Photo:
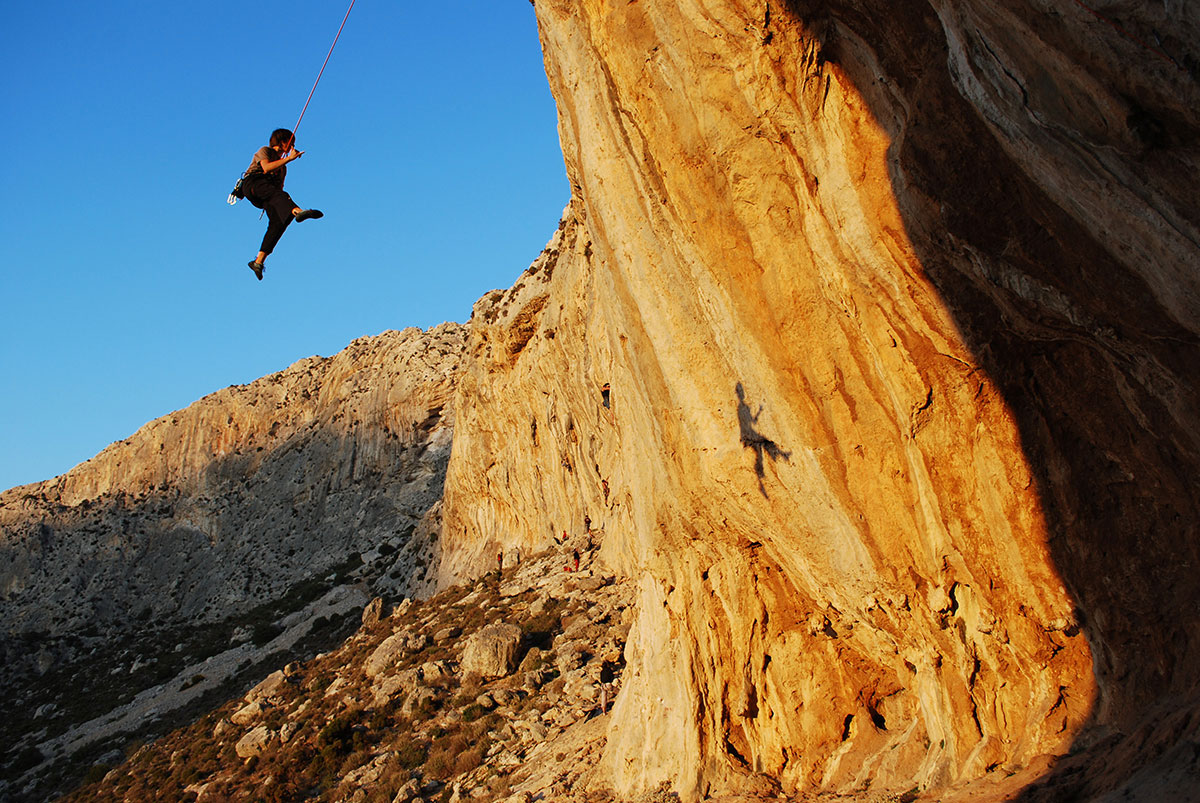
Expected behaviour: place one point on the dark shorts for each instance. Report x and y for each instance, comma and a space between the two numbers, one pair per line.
267, 195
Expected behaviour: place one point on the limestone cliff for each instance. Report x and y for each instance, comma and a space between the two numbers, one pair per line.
868, 346
215, 537
866, 351
240, 494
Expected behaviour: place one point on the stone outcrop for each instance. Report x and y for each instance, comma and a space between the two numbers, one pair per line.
254, 742
868, 344
865, 355
234, 499
492, 652
220, 535
426, 725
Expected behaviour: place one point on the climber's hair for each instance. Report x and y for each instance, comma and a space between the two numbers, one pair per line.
280, 136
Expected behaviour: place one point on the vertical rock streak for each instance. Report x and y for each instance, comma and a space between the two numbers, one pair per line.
897, 307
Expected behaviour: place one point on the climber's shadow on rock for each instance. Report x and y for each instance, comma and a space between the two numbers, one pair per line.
753, 439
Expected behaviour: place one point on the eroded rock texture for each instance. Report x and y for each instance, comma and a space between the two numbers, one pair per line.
215, 539
233, 500
897, 308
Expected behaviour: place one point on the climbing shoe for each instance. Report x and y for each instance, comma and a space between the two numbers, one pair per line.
305, 214
257, 267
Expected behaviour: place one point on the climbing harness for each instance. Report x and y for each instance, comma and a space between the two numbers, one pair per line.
236, 193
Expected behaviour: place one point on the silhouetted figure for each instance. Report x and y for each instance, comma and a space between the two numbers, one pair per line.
753, 439
262, 185
606, 685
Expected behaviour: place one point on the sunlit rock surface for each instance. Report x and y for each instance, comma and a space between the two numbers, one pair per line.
234, 498
868, 346
243, 529
866, 353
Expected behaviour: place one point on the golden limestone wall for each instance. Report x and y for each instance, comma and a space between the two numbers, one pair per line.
898, 306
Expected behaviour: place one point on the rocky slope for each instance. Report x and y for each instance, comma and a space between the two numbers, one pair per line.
218, 537
896, 308
497, 689
866, 352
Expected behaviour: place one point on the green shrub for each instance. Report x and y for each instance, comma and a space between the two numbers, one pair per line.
265, 632
473, 712
354, 761
342, 735
412, 754
444, 754
468, 760
96, 773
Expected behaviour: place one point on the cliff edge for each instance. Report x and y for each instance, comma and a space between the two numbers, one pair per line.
869, 341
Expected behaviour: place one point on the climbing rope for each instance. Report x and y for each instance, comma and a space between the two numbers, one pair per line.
319, 74
236, 194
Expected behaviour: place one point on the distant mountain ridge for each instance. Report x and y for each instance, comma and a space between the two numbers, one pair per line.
213, 523
866, 357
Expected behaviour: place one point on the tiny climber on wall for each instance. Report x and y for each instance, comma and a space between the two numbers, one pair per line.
262, 185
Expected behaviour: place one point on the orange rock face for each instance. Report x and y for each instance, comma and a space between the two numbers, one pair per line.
868, 343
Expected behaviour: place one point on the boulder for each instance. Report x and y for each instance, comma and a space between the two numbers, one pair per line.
409, 792
570, 656
247, 713
447, 633
492, 651
419, 699
433, 670
585, 585
505, 696
370, 773
270, 686
535, 658
402, 608
533, 679
254, 742
400, 684
386, 654
373, 612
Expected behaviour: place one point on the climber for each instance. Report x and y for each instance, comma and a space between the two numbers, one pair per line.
262, 185
607, 677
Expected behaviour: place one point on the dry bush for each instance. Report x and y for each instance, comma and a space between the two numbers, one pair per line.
412, 753
468, 760
444, 754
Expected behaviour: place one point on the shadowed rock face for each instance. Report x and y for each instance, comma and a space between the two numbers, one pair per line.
898, 306
260, 511
233, 500
867, 347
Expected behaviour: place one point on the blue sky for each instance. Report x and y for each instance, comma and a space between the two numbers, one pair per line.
431, 146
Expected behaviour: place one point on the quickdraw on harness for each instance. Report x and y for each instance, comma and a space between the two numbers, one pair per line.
237, 193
